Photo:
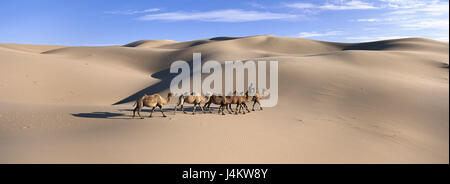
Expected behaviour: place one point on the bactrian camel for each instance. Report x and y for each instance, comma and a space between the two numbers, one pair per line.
226, 101
239, 101
256, 99
151, 101
218, 100
192, 99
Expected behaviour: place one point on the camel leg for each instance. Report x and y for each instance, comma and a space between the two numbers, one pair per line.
201, 107
242, 108
254, 102
229, 105
246, 108
139, 112
223, 107
204, 106
175, 109
228, 109
182, 108
238, 106
195, 107
209, 107
236, 111
160, 108
151, 114
134, 111
219, 109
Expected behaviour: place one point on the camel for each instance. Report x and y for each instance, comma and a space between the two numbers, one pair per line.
230, 101
152, 101
255, 99
218, 100
239, 101
226, 101
196, 100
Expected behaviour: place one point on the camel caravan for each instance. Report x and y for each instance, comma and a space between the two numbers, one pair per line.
204, 102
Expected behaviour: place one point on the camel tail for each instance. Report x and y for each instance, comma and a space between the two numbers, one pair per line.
180, 100
135, 103
138, 102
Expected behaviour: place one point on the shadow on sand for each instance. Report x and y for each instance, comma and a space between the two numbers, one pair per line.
170, 110
129, 114
165, 78
103, 115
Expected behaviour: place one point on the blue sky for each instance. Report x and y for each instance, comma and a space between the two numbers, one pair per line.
105, 22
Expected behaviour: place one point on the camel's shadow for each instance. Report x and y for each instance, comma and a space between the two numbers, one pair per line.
102, 115
129, 115
170, 110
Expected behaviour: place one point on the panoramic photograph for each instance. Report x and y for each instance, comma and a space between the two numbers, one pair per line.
224, 82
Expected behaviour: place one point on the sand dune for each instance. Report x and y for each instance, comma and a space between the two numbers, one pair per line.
373, 102
149, 43
28, 48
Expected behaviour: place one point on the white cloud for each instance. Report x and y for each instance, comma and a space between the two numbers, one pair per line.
391, 19
428, 24
417, 15
433, 8
229, 15
316, 34
344, 5
436, 9
401, 4
423, 17
368, 20
350, 5
301, 5
132, 12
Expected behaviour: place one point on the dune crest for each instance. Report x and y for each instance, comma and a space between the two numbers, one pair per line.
149, 43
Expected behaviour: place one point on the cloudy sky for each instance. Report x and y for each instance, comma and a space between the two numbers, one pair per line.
104, 22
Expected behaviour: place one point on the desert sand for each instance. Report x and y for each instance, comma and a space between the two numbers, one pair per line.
373, 102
